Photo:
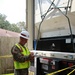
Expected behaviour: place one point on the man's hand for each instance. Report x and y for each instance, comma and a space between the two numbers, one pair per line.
31, 56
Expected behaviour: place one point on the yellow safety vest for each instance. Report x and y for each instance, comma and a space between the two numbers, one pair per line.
23, 65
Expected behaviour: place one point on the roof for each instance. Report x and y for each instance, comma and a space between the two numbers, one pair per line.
8, 33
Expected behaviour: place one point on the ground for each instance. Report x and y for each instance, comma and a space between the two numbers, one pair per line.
30, 73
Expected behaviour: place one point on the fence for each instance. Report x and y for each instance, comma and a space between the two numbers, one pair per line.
6, 61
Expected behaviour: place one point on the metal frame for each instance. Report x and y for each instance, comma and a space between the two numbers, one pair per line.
55, 7
57, 55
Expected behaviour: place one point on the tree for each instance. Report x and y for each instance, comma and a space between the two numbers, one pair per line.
4, 24
21, 25
13, 27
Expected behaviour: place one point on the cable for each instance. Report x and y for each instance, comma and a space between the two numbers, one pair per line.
69, 26
40, 2
67, 6
71, 72
64, 15
42, 21
53, 73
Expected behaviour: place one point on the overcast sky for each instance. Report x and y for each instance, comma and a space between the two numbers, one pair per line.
13, 9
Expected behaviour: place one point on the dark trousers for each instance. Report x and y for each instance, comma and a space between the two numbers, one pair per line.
21, 72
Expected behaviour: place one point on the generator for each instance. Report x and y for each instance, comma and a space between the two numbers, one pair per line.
46, 63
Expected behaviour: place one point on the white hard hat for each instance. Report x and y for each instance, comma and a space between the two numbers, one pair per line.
24, 34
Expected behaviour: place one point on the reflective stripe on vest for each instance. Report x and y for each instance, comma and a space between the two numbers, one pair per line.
25, 64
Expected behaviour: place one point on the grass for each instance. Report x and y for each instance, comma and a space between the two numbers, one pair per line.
30, 73
9, 74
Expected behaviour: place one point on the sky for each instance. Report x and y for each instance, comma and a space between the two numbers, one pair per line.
13, 9
45, 4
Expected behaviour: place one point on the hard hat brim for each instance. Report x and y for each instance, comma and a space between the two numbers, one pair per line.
23, 37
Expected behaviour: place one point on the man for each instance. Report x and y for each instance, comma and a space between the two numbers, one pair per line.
22, 55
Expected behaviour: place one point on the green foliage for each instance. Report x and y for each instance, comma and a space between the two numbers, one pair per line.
21, 25
8, 74
15, 28
4, 24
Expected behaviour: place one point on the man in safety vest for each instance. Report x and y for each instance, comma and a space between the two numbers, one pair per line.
21, 55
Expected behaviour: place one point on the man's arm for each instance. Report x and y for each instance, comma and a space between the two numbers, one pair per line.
16, 52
